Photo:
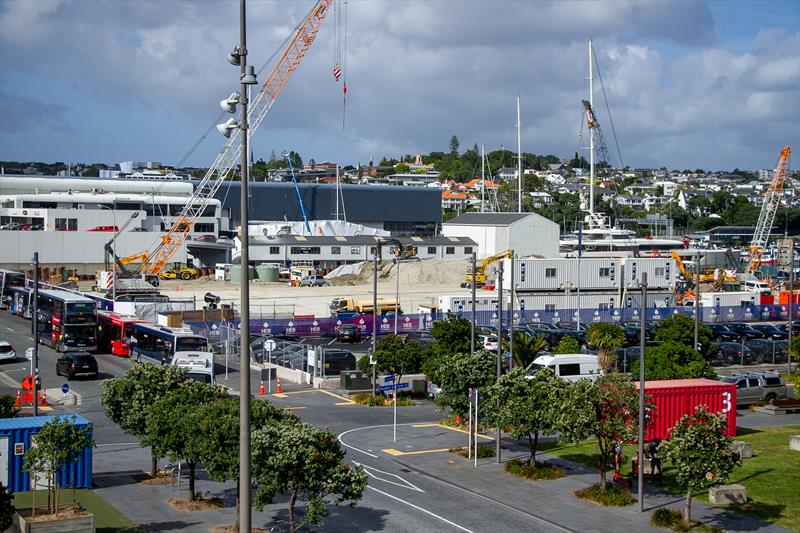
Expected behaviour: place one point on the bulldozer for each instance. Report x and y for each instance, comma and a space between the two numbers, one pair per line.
179, 271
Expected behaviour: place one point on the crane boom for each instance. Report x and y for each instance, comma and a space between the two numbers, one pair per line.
772, 199
228, 157
597, 132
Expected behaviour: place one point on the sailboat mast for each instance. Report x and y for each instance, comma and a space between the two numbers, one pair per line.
337, 191
519, 160
483, 176
591, 136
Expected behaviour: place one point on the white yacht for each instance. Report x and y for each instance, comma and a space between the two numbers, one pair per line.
598, 236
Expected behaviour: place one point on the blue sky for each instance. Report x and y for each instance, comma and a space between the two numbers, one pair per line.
690, 84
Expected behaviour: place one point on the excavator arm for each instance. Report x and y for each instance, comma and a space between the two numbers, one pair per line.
480, 275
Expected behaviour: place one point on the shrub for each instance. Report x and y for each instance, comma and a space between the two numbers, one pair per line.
368, 399
612, 496
666, 518
484, 452
538, 470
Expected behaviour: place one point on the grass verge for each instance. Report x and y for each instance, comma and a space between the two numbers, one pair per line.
107, 518
770, 476
484, 452
613, 496
538, 470
369, 400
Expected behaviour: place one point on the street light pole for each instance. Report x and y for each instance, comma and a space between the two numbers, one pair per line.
397, 295
35, 319
372, 361
473, 262
697, 302
499, 342
642, 337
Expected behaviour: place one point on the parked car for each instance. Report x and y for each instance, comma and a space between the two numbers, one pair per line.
423, 338
733, 353
771, 331
115, 229
765, 349
633, 335
7, 352
317, 280
76, 364
348, 333
489, 342
757, 387
205, 238
746, 330
760, 287
10, 226
570, 367
571, 326
36, 227
650, 327
723, 333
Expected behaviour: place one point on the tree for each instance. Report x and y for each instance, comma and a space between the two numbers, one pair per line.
606, 338
7, 409
457, 373
567, 345
394, 356
172, 425
527, 347
303, 461
7, 509
295, 159
530, 405
680, 329
454, 144
59, 443
401, 168
700, 452
607, 409
671, 360
452, 334
128, 399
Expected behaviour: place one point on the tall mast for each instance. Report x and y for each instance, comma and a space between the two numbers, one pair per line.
591, 137
483, 177
519, 160
337, 191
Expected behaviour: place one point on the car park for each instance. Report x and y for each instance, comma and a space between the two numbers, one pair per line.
723, 333
650, 327
7, 352
767, 350
745, 330
77, 364
316, 280
771, 331
348, 333
571, 326
754, 387
733, 353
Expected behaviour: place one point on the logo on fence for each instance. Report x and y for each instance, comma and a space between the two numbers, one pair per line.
214, 331
265, 329
384, 325
290, 328
362, 325
315, 327
407, 323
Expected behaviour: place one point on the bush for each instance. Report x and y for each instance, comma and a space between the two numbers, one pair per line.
368, 399
673, 519
484, 452
613, 496
538, 470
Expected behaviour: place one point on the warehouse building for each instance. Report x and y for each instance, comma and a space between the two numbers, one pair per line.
526, 233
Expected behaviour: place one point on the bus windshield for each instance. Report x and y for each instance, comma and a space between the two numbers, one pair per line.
82, 334
189, 344
78, 312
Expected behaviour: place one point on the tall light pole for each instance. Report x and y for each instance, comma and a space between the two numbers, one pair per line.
114, 249
697, 302
35, 325
473, 261
372, 359
397, 294
499, 342
642, 338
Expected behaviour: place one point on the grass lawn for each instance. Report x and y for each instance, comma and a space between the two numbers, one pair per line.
771, 475
107, 518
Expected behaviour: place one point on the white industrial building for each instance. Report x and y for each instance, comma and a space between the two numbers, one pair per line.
528, 234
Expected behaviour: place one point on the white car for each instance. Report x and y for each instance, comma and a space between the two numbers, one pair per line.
489, 342
7, 352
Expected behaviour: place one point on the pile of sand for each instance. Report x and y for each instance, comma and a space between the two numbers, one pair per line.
422, 272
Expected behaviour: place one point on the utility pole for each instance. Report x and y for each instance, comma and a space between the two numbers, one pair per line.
372, 360
499, 343
697, 309
35, 319
511, 313
642, 338
473, 262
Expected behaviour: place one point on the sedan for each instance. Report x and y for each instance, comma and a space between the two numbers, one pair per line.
76, 364
746, 330
733, 353
723, 333
768, 351
771, 331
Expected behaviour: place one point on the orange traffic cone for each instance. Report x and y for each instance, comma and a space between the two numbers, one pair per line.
261, 390
458, 420
18, 402
44, 397
278, 389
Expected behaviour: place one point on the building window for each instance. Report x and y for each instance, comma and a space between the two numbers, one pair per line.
274, 250
61, 223
373, 250
450, 250
72, 224
605, 272
549, 308
549, 272
602, 307
305, 250
660, 271
468, 250
355, 250
432, 250
204, 227
336, 250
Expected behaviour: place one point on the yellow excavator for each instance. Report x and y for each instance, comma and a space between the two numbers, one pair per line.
705, 277
479, 278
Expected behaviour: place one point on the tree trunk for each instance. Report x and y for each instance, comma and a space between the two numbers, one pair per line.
192, 495
153, 464
601, 463
33, 497
237, 503
687, 508
55, 483
292, 501
532, 456
535, 446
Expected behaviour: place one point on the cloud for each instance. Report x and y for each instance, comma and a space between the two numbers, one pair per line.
19, 114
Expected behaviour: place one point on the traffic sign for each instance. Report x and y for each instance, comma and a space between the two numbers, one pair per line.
29, 354
65, 388
27, 383
389, 378
393, 387
270, 345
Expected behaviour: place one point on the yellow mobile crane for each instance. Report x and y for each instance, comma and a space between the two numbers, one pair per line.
480, 275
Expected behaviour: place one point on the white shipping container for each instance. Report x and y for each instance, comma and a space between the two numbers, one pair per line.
463, 303
561, 273
661, 272
559, 300
728, 299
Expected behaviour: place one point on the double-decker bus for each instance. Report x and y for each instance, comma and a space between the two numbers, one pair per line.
21, 303
151, 343
9, 279
68, 321
114, 332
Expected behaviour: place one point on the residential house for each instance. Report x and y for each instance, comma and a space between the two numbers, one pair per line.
454, 200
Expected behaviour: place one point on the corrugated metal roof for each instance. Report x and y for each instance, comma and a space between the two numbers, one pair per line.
678, 383
488, 219
38, 421
357, 239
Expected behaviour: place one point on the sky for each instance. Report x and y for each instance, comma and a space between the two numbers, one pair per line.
689, 84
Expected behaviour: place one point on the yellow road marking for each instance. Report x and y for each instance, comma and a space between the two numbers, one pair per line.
41, 407
280, 395
481, 435
344, 403
347, 401
392, 451
293, 408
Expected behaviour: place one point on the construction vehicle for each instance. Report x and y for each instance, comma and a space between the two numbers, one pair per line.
351, 306
480, 277
772, 199
179, 271
705, 277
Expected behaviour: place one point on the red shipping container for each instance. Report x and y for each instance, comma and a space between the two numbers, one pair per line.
674, 398
783, 297
767, 299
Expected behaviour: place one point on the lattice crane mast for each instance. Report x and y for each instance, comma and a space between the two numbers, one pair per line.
772, 199
594, 129
227, 159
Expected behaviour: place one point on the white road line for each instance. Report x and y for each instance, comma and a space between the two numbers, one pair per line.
11, 330
339, 438
117, 444
406, 484
30, 339
417, 507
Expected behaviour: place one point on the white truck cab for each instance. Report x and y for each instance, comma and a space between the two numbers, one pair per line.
571, 367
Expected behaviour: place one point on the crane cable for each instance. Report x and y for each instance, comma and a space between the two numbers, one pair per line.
608, 110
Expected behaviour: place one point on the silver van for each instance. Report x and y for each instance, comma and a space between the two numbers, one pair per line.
571, 367
754, 387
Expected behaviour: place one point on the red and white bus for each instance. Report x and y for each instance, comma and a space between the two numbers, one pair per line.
68, 321
113, 330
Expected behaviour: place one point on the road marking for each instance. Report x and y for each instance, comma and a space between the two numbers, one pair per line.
11, 330
30, 339
406, 484
293, 408
417, 507
280, 395
465, 432
41, 407
341, 436
347, 401
334, 340
392, 451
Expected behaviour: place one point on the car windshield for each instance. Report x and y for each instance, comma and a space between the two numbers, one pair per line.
728, 380
535, 367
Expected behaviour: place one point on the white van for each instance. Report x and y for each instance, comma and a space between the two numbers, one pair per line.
572, 367
752, 285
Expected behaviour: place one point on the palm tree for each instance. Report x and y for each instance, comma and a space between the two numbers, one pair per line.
606, 338
526, 347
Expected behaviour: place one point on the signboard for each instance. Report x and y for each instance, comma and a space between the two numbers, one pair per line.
785, 253
270, 345
19, 448
27, 383
393, 387
389, 378
65, 388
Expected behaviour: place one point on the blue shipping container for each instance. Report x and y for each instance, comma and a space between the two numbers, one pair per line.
15, 440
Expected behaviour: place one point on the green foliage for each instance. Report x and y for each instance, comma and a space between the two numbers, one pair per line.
303, 461
537, 470
7, 509
485, 451
567, 345
7, 409
366, 398
452, 334
680, 330
606, 338
527, 347
665, 517
610, 496
794, 348
671, 360
457, 373
396, 357
454, 144
700, 452
529, 405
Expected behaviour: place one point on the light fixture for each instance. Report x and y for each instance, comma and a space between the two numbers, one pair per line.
250, 77
226, 128
229, 104
233, 57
